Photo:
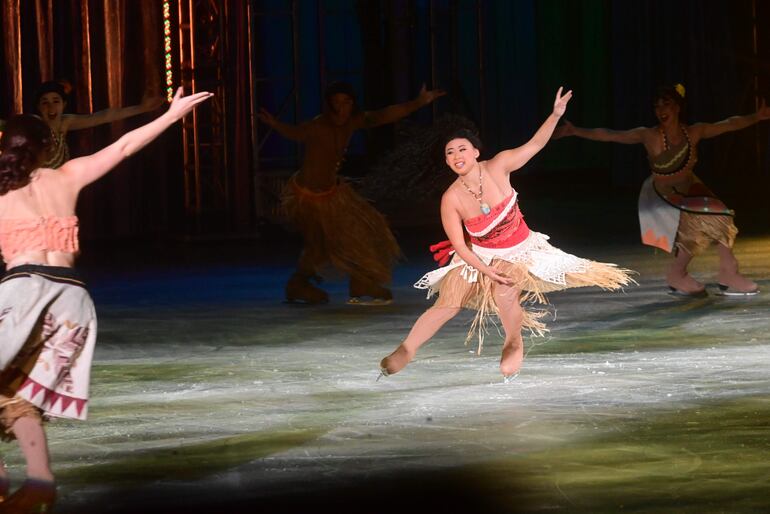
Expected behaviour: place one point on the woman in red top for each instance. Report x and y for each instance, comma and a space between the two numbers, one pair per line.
498, 261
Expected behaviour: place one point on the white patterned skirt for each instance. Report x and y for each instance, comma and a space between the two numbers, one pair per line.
47, 339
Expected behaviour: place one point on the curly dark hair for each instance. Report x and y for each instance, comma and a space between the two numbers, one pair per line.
462, 133
416, 167
23, 146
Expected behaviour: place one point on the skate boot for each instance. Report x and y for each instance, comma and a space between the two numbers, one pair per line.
300, 290
33, 497
369, 294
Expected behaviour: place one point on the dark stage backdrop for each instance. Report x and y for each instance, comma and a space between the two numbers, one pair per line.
500, 60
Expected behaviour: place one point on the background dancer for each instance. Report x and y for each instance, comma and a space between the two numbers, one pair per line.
47, 318
498, 262
677, 212
51, 100
338, 226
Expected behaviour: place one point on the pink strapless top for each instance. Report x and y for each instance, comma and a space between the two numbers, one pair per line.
503, 227
45, 234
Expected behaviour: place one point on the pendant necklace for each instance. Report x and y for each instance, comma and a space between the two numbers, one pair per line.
484, 206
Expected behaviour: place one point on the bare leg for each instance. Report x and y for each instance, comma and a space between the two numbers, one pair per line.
31, 437
728, 272
511, 315
424, 328
677, 276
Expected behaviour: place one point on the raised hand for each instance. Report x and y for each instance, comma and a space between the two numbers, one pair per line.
560, 104
181, 105
763, 113
565, 130
427, 97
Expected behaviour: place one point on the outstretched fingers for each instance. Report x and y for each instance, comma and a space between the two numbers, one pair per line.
200, 97
565, 97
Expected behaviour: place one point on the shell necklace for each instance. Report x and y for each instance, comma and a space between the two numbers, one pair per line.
483, 205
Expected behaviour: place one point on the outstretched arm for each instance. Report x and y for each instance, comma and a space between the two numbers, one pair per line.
393, 113
84, 170
707, 130
84, 121
628, 137
513, 159
453, 226
287, 130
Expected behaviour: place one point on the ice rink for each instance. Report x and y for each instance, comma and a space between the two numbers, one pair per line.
210, 395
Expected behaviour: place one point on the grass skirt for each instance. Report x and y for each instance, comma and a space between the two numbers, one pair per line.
697, 232
341, 228
535, 266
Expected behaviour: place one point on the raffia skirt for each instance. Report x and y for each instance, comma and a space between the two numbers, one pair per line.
47, 339
668, 227
341, 228
696, 232
536, 267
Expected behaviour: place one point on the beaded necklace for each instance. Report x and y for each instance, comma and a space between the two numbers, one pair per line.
485, 209
688, 147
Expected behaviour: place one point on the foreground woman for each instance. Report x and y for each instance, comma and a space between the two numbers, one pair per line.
47, 318
498, 262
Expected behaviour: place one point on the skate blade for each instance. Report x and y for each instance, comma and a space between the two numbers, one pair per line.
726, 291
355, 300
684, 294
507, 379
298, 301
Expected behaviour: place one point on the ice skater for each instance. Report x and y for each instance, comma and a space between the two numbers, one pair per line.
339, 227
51, 100
498, 261
47, 318
677, 212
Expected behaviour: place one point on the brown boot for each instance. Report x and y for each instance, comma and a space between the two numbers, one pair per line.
396, 361
33, 497
299, 289
366, 292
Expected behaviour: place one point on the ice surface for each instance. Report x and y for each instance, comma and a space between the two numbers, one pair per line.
204, 381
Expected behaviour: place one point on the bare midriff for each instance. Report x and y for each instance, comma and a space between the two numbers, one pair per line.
61, 259
324, 150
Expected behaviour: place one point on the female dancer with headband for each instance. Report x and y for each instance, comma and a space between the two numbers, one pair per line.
51, 101
47, 318
677, 212
498, 261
